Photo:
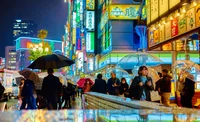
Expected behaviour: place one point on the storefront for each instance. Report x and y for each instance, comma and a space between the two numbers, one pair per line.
175, 26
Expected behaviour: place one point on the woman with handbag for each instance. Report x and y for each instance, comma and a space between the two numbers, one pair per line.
141, 85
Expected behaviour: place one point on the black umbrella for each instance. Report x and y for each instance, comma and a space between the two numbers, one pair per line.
54, 61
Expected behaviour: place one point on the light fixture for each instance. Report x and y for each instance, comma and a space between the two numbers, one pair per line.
194, 3
171, 18
185, 2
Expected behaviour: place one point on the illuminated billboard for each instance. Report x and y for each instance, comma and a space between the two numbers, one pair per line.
90, 20
90, 42
124, 12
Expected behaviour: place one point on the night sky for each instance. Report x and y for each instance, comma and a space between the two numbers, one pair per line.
47, 14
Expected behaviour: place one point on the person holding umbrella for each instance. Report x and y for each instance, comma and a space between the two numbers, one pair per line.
51, 89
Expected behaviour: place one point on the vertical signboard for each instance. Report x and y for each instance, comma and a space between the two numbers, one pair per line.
148, 12
151, 40
90, 20
90, 4
168, 30
154, 9
163, 6
197, 11
90, 42
78, 11
156, 36
181, 24
78, 39
74, 36
190, 19
90, 64
174, 27
162, 33
80, 60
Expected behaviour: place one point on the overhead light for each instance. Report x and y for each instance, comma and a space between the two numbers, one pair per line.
185, 2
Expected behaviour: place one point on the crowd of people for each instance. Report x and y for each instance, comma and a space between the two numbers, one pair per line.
53, 94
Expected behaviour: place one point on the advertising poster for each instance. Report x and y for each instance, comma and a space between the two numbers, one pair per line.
168, 30
78, 11
78, 39
162, 33
124, 12
173, 3
181, 24
156, 36
90, 20
154, 9
174, 26
190, 19
197, 11
163, 6
151, 39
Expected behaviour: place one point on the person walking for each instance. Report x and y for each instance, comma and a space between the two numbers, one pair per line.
113, 84
67, 91
51, 89
165, 88
99, 85
27, 93
141, 85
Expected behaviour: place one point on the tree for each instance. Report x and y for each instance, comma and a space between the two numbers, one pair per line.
40, 49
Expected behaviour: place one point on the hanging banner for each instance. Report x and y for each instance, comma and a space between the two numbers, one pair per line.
90, 4
154, 9
190, 19
181, 24
74, 36
197, 11
78, 11
78, 39
163, 6
168, 30
174, 26
173, 3
90, 20
162, 33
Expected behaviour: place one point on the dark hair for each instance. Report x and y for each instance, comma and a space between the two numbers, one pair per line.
160, 74
165, 71
140, 69
123, 79
49, 70
99, 76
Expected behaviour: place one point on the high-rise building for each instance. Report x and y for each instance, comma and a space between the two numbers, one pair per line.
10, 55
2, 62
24, 28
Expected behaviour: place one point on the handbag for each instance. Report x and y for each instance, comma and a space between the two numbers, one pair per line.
154, 95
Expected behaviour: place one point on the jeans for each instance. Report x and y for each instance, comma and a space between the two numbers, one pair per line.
30, 102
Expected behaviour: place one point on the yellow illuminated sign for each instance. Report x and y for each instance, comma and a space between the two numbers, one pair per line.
124, 12
90, 4
74, 36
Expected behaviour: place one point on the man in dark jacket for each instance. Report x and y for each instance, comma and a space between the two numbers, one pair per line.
51, 89
113, 84
99, 85
2, 89
165, 88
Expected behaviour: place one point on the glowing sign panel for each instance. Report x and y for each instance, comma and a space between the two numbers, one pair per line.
90, 4
124, 12
90, 20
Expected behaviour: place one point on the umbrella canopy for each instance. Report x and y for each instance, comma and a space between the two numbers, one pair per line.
54, 61
70, 81
82, 81
62, 79
28, 74
186, 65
138, 59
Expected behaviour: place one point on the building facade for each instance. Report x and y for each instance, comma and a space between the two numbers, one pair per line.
24, 44
2, 62
24, 28
10, 57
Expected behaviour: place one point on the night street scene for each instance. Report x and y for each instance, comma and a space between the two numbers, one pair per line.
100, 61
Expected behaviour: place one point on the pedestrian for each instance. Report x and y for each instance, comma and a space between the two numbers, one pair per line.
123, 88
99, 85
87, 86
113, 84
51, 90
67, 91
141, 85
28, 93
2, 89
165, 88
